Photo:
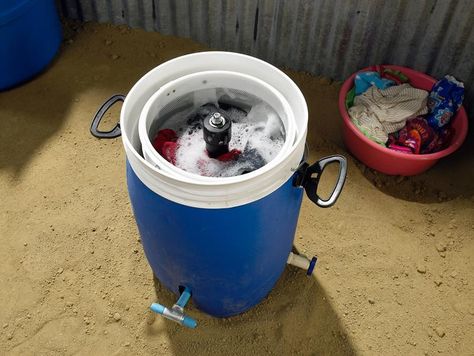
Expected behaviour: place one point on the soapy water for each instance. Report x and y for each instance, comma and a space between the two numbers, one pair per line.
257, 132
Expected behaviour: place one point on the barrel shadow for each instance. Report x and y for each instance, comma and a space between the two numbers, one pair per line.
438, 184
31, 114
296, 318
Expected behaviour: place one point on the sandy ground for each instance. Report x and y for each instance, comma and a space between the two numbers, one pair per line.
395, 255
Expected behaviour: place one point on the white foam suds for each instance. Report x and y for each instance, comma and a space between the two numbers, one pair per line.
259, 135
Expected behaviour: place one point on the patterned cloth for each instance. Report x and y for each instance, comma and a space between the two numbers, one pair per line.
380, 112
444, 101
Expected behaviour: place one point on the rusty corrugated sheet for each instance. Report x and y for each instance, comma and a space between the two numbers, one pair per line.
333, 38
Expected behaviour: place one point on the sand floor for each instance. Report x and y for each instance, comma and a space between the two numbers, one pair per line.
395, 270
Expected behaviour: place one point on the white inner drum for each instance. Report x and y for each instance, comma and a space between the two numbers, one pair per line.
262, 128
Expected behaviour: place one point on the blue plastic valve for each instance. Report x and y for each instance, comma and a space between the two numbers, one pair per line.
176, 313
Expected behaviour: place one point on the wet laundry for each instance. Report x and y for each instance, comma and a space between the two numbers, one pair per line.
380, 112
256, 138
249, 161
166, 144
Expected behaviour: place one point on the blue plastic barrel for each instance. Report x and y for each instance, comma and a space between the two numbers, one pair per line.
30, 35
229, 258
223, 241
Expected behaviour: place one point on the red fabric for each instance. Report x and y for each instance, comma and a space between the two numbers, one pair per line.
169, 151
163, 136
232, 155
165, 143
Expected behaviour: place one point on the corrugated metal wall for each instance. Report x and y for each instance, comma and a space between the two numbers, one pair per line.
325, 37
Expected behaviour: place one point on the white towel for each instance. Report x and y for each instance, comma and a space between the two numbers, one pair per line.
380, 112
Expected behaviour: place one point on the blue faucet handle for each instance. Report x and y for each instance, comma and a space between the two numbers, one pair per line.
312, 264
157, 308
189, 322
176, 313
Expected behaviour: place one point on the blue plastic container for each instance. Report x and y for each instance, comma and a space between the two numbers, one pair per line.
229, 258
30, 35
222, 241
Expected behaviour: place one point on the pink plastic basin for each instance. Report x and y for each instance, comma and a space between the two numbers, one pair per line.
386, 160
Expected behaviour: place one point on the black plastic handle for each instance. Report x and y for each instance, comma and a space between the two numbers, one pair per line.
310, 183
115, 132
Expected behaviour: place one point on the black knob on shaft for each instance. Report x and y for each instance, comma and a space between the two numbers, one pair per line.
217, 133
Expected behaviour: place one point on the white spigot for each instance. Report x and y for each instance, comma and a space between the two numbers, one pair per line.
303, 262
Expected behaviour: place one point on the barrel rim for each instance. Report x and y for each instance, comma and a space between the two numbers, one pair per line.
222, 194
